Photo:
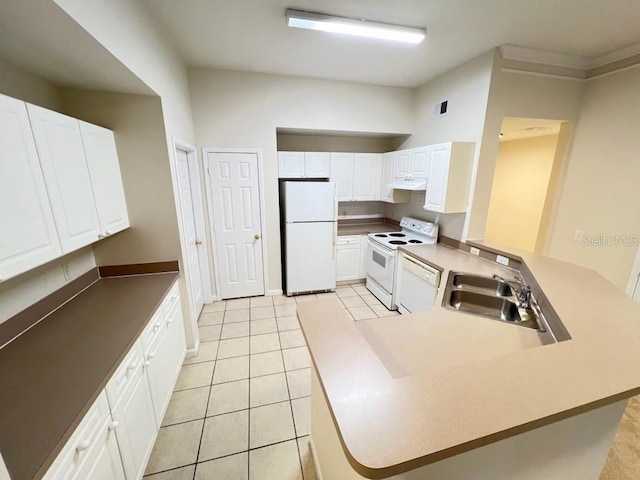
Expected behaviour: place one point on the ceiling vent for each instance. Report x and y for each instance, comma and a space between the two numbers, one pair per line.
440, 108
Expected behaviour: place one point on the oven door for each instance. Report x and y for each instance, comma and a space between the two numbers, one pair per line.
381, 265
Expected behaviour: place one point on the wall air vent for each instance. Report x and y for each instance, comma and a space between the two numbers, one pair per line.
440, 108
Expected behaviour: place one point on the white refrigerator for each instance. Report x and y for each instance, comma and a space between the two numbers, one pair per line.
310, 227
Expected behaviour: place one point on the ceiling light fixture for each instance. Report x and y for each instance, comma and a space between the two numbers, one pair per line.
352, 26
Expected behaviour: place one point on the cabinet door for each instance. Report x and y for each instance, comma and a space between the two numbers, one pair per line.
364, 244
366, 186
28, 235
342, 175
317, 164
137, 424
436, 195
386, 176
290, 164
59, 145
105, 462
348, 261
419, 162
106, 181
402, 164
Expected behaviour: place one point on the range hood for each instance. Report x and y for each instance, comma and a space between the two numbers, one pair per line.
413, 185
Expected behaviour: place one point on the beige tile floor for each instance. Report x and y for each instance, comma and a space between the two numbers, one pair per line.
240, 409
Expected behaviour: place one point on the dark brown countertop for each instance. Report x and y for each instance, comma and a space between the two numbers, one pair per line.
366, 226
52, 374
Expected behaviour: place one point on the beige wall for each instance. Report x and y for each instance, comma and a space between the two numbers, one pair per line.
243, 110
467, 89
601, 193
18, 83
137, 122
514, 94
336, 143
520, 182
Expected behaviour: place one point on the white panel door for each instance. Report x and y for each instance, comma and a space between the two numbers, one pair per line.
106, 180
436, 194
192, 243
291, 164
28, 235
317, 164
366, 184
59, 145
235, 201
342, 175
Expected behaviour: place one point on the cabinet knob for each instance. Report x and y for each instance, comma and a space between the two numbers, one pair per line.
151, 355
256, 237
146, 364
113, 425
83, 445
101, 235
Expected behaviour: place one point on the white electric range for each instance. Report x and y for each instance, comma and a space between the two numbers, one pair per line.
382, 256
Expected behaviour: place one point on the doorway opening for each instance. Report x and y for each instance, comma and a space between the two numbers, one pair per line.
526, 182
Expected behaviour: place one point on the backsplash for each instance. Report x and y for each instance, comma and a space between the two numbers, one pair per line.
357, 209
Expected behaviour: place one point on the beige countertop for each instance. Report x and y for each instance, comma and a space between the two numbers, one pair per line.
409, 390
52, 374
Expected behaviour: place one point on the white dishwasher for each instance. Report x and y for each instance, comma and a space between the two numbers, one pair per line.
417, 285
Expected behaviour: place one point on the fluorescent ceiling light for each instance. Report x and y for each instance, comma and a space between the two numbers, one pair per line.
351, 26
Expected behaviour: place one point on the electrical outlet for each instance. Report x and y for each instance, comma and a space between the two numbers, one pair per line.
474, 251
66, 271
578, 235
502, 260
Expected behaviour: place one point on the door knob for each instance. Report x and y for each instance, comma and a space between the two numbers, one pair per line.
198, 243
256, 237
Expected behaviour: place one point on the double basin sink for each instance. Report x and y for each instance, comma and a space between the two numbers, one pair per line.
490, 297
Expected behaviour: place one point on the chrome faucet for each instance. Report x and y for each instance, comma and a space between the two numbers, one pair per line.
523, 291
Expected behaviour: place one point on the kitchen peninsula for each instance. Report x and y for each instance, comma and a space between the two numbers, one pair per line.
443, 394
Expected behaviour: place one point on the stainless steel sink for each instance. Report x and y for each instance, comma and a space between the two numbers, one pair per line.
490, 297
494, 307
482, 284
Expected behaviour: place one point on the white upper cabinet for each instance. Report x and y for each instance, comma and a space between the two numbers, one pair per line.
317, 164
342, 175
104, 171
28, 235
366, 185
387, 194
449, 175
290, 164
61, 152
304, 164
413, 162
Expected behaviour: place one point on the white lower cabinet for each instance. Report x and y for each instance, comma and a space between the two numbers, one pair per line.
115, 438
351, 251
92, 451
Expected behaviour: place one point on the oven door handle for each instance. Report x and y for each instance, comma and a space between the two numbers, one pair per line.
388, 252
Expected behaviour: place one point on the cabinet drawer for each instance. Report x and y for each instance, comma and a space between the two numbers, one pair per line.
348, 240
88, 434
172, 299
152, 330
125, 373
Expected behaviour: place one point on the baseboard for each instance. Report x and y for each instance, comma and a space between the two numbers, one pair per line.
314, 455
274, 292
192, 352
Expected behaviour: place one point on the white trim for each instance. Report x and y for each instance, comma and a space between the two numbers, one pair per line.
263, 235
532, 55
198, 202
314, 455
541, 74
633, 275
616, 55
274, 292
192, 352
613, 72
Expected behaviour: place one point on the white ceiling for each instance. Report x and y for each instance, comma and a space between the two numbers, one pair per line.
515, 128
252, 34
